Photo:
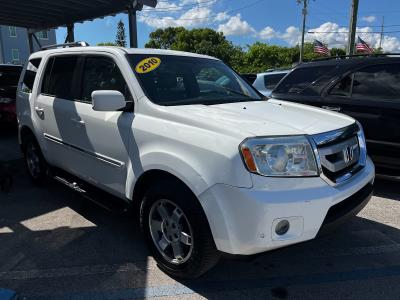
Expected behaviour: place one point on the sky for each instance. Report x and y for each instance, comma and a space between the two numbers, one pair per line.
270, 21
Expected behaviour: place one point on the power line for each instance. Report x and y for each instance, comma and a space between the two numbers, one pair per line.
180, 7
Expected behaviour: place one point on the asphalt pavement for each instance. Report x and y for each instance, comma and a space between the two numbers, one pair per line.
56, 245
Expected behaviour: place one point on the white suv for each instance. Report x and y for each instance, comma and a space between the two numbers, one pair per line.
214, 166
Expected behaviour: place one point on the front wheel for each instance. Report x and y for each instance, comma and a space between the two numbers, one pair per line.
177, 231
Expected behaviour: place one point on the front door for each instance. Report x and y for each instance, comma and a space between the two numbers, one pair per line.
101, 139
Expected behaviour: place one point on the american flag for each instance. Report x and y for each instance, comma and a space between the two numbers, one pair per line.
321, 48
363, 47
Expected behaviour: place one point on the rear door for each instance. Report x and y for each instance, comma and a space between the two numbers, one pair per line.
372, 96
55, 100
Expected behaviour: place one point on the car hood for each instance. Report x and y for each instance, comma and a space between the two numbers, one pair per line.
262, 118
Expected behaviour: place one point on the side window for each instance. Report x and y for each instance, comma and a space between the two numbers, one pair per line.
30, 75
59, 77
377, 82
343, 87
102, 73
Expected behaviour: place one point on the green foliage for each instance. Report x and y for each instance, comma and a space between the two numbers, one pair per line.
338, 52
201, 40
120, 39
106, 44
257, 57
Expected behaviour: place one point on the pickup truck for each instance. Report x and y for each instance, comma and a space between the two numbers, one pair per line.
214, 166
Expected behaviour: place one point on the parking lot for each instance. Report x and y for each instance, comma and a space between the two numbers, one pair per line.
56, 245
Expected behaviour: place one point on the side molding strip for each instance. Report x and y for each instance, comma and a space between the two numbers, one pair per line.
100, 157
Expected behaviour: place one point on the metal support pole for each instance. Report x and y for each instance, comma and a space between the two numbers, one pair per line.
37, 40
381, 39
70, 34
305, 2
30, 42
352, 27
132, 27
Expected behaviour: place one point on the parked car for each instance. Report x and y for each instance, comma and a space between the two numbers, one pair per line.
266, 82
365, 88
9, 75
213, 166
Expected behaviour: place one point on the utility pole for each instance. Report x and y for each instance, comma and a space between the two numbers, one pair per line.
382, 27
304, 12
352, 27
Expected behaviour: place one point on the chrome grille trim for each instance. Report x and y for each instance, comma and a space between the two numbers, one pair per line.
333, 140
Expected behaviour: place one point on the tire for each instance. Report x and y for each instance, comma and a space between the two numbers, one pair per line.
35, 162
183, 209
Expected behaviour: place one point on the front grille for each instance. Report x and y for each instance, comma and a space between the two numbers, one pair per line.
340, 153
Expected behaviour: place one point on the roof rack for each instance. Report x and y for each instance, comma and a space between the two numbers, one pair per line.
356, 55
65, 45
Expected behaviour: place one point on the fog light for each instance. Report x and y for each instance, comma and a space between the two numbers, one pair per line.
282, 227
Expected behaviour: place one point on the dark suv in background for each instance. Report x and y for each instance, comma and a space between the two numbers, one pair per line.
9, 76
364, 87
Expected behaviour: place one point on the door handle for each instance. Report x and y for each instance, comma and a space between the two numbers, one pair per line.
78, 122
39, 111
332, 108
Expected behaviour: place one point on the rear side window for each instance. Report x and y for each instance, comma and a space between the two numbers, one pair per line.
377, 82
30, 75
101, 73
59, 77
271, 80
303, 78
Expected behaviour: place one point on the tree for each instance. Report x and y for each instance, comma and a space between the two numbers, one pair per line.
200, 40
120, 40
106, 44
164, 38
338, 52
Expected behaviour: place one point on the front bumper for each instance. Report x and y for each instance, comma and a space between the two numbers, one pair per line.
243, 220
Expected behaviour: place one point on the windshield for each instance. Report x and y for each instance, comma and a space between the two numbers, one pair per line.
181, 80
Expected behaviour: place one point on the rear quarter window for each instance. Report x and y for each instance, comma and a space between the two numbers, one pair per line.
30, 75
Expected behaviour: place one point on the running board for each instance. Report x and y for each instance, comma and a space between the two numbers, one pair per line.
91, 193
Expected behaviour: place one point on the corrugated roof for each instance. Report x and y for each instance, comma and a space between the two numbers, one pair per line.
43, 14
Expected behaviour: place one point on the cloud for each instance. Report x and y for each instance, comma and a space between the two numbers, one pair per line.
369, 19
191, 18
236, 26
267, 33
337, 37
222, 16
291, 36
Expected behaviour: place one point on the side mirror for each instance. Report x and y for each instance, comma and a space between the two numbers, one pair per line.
106, 100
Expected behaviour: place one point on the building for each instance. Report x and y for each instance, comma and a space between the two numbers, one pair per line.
14, 46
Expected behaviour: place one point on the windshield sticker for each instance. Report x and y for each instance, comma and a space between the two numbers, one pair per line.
147, 65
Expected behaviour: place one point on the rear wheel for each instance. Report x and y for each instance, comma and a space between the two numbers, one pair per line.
177, 231
35, 163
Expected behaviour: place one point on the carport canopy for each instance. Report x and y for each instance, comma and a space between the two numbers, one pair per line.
37, 15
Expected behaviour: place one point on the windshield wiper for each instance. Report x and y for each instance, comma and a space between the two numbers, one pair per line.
235, 92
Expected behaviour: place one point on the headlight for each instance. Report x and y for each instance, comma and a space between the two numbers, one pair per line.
279, 156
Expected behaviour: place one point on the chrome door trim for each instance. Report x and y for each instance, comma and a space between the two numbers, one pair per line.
97, 156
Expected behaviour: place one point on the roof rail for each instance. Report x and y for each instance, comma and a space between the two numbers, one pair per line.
356, 55
69, 45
